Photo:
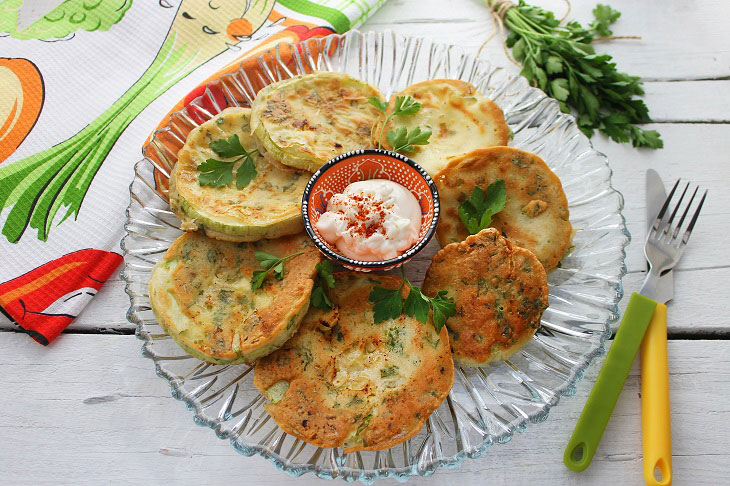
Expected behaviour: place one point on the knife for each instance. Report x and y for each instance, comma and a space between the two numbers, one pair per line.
655, 413
607, 388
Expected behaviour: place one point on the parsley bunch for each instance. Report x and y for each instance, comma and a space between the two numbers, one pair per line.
269, 262
476, 212
559, 59
388, 304
401, 139
218, 173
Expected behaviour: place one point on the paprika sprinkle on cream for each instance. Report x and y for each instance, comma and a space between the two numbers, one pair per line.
371, 220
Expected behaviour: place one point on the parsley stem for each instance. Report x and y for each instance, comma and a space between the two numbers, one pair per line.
382, 130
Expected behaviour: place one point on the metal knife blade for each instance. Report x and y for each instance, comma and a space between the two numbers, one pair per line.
655, 196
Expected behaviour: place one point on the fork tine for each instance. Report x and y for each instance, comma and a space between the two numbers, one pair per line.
665, 206
686, 210
676, 208
691, 226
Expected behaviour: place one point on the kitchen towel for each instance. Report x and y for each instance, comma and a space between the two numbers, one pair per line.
82, 85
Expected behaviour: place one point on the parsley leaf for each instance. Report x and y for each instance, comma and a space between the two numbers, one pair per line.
443, 308
406, 105
216, 173
269, 262
257, 280
403, 141
219, 173
604, 16
388, 304
378, 103
245, 173
324, 270
228, 148
319, 298
400, 139
559, 58
477, 211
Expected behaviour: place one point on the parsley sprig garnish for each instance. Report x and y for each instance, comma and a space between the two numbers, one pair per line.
388, 304
319, 298
401, 139
269, 262
477, 211
559, 59
218, 173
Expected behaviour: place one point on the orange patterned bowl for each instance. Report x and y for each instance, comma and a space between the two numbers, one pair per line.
360, 165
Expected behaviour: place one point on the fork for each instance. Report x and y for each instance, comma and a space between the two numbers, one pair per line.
663, 249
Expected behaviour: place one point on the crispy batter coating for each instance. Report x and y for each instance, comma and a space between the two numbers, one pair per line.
500, 292
344, 380
304, 121
268, 207
461, 119
536, 214
201, 295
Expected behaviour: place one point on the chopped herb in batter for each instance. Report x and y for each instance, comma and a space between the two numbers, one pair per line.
388, 371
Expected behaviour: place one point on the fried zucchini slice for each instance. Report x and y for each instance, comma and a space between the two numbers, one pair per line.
268, 207
201, 294
461, 120
500, 292
536, 213
343, 380
307, 120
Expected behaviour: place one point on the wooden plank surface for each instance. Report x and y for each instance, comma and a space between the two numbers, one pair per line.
681, 40
89, 408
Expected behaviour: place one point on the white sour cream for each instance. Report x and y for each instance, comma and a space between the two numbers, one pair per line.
371, 220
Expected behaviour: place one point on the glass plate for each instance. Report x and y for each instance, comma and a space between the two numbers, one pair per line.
486, 405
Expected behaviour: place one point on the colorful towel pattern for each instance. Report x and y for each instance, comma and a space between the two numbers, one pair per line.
84, 83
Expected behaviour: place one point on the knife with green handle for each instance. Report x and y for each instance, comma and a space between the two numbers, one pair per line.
599, 407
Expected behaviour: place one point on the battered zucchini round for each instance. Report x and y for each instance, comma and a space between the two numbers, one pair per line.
536, 214
307, 120
500, 292
268, 207
201, 295
344, 380
461, 120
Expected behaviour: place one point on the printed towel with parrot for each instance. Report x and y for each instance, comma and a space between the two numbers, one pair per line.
82, 85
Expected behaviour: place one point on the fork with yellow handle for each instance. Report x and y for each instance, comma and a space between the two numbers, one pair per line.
655, 415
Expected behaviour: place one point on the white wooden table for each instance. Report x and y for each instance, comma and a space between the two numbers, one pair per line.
89, 408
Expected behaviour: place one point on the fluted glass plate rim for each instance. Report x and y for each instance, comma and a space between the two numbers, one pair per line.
453, 461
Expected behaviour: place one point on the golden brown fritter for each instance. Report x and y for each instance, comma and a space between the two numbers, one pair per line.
500, 293
268, 207
536, 214
461, 119
201, 295
304, 121
344, 380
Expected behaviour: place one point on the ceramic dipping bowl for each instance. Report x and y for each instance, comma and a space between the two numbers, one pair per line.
359, 165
